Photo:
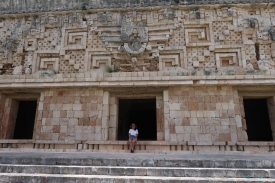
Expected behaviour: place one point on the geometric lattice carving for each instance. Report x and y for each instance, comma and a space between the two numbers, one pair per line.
51, 40
224, 33
72, 62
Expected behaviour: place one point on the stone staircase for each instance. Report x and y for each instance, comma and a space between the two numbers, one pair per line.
133, 168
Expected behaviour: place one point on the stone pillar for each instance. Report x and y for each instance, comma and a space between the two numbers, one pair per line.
166, 115
160, 124
113, 118
2, 110
38, 117
271, 112
240, 121
105, 116
9, 118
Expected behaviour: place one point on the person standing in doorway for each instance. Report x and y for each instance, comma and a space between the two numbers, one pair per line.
133, 134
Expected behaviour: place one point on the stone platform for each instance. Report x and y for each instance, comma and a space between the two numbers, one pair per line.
125, 167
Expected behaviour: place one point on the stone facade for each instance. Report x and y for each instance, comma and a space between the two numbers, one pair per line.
77, 59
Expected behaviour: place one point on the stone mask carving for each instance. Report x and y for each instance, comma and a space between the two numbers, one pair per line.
271, 32
251, 22
104, 17
11, 43
135, 36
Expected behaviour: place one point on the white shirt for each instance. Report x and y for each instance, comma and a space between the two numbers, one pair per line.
133, 132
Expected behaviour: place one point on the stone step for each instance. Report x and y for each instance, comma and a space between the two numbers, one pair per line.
141, 162
139, 171
65, 178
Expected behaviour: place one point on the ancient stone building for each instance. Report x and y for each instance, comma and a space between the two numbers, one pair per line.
193, 75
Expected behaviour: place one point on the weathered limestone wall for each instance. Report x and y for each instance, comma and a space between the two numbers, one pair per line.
69, 115
204, 114
192, 54
193, 114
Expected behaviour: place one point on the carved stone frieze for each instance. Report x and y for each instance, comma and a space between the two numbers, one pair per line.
155, 39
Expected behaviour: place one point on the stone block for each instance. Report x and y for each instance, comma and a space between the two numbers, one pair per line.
77, 107
174, 107
105, 122
56, 114
179, 129
165, 96
193, 121
81, 136
112, 133
78, 114
193, 106
106, 98
160, 136
63, 129
73, 122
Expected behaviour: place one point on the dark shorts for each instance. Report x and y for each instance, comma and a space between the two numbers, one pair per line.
132, 136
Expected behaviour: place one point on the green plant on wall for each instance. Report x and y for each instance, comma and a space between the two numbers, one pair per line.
84, 6
109, 69
48, 73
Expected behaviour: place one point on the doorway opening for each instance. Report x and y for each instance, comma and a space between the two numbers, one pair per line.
142, 112
257, 120
25, 120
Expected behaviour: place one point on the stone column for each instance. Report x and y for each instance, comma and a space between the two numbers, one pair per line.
38, 117
166, 115
271, 111
2, 110
9, 118
160, 124
105, 116
113, 118
240, 120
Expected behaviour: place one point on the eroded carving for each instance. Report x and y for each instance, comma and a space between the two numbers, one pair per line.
138, 40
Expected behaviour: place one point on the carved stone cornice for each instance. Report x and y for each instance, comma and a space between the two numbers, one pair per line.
30, 6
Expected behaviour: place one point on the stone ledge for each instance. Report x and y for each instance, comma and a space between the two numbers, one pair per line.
256, 143
127, 82
142, 146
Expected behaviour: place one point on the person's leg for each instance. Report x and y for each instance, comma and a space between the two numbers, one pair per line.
131, 143
134, 143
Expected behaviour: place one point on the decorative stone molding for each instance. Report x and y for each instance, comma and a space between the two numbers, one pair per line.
3, 56
93, 59
74, 39
49, 64
97, 61
45, 60
168, 61
228, 58
135, 39
30, 44
198, 35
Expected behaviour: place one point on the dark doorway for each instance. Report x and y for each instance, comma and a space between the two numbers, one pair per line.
257, 120
25, 120
142, 112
